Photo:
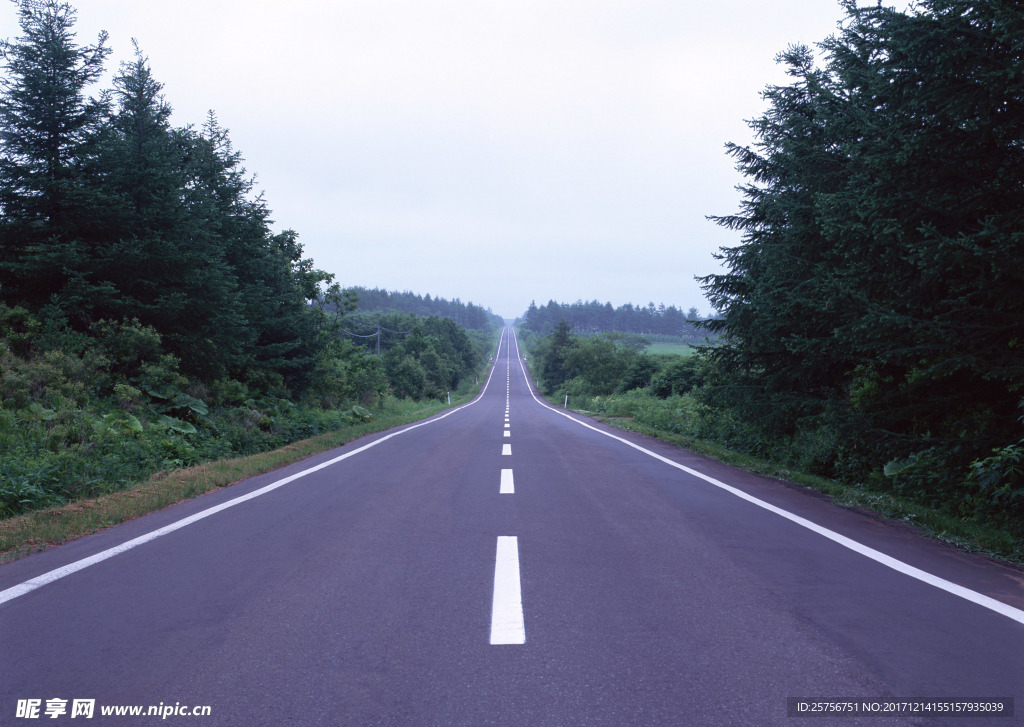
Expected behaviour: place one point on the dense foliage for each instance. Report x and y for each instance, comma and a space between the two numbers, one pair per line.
595, 317
877, 297
85, 413
604, 364
421, 357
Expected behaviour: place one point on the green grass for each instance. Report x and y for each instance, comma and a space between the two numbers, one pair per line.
678, 349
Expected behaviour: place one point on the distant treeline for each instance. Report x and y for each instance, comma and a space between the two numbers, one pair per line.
596, 317
466, 315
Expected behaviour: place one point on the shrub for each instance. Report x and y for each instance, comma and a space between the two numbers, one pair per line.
997, 483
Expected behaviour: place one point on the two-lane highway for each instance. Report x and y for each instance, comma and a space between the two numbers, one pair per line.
505, 564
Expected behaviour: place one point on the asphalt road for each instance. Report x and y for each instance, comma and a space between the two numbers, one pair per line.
461, 572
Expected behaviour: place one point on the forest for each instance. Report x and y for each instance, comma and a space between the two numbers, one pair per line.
596, 317
150, 317
870, 316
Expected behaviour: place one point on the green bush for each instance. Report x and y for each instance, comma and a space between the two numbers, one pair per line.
998, 484
678, 377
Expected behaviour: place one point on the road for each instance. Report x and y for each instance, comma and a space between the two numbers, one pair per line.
506, 564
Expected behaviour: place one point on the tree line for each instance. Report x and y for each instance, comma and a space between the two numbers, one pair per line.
875, 299
466, 315
596, 317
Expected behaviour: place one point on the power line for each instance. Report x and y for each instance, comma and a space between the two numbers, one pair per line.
377, 335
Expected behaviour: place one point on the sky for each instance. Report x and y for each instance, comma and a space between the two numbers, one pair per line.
494, 151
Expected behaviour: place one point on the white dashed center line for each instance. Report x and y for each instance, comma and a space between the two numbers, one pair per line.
507, 625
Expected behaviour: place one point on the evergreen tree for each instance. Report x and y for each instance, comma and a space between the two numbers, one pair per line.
778, 303
47, 127
880, 274
156, 253
930, 227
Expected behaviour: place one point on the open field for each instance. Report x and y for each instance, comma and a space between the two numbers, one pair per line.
680, 349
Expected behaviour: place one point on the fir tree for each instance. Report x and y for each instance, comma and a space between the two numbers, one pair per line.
47, 126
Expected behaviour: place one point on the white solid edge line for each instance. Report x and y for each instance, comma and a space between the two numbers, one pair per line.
30, 585
967, 594
507, 486
507, 626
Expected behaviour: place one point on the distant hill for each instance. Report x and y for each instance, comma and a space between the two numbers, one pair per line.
466, 315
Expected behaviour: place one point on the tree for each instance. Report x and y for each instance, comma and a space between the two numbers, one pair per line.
47, 127
878, 281
551, 356
599, 363
778, 304
157, 256
930, 227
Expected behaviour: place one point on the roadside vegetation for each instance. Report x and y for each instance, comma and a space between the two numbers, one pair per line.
151, 320
468, 315
37, 529
89, 413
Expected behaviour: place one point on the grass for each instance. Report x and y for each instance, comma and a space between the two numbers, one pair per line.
36, 531
678, 349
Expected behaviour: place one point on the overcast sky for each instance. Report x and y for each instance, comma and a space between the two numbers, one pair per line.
496, 151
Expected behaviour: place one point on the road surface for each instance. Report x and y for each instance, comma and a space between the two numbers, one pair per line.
505, 563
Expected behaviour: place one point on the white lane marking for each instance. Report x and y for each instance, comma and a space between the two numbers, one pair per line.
508, 433
507, 486
507, 626
506, 449
868, 552
506, 424
30, 585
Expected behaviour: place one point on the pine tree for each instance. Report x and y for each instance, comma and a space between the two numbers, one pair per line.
155, 250
880, 274
779, 306
47, 127
930, 227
